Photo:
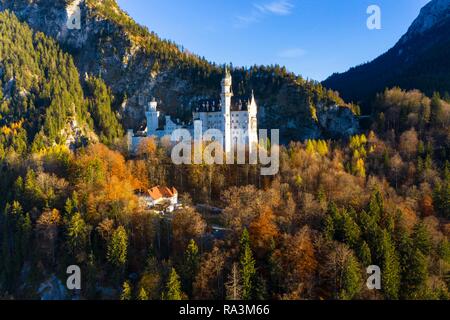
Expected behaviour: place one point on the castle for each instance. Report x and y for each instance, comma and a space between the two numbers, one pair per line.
235, 117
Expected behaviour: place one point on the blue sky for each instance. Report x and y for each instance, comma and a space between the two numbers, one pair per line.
313, 38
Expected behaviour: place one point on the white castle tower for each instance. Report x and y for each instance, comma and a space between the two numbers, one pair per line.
252, 124
227, 94
152, 118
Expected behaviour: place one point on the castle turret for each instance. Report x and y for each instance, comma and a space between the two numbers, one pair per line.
252, 124
152, 118
227, 94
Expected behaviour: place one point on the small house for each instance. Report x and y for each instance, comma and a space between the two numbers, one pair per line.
156, 196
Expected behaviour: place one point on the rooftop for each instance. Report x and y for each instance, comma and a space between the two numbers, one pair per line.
158, 192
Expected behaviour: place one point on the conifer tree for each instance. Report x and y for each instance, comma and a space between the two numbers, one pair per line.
441, 194
191, 265
247, 264
142, 295
77, 234
126, 291
173, 287
421, 238
390, 268
437, 117
118, 247
351, 280
364, 254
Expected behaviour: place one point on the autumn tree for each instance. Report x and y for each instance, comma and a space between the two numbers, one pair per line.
126, 291
173, 287
187, 224
47, 231
263, 231
298, 263
147, 148
142, 295
341, 271
234, 284
409, 143
209, 280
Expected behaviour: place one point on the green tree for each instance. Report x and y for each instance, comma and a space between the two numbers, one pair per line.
77, 234
351, 231
118, 247
351, 280
142, 295
173, 287
421, 238
441, 194
364, 254
126, 291
248, 269
437, 117
390, 267
191, 265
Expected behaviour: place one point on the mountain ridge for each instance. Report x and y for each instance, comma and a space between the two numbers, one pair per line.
417, 61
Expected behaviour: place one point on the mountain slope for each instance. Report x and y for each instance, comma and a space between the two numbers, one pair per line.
42, 101
418, 61
40, 94
138, 65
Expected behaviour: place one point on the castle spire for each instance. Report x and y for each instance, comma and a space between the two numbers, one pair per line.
227, 72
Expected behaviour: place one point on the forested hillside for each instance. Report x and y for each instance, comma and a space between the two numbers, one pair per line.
310, 232
138, 65
41, 99
40, 88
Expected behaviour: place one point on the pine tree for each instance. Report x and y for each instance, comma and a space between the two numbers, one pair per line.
77, 234
126, 291
364, 254
417, 274
248, 269
390, 268
376, 205
143, 296
117, 248
421, 238
351, 280
351, 231
441, 194
191, 265
437, 111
